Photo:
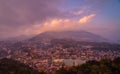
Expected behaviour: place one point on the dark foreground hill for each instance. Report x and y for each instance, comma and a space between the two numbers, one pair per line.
9, 66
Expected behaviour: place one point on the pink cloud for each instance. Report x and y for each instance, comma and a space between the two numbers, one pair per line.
86, 19
64, 24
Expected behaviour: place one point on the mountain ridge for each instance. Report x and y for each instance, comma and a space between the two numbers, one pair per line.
74, 35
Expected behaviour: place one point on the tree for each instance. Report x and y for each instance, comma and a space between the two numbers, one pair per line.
9, 66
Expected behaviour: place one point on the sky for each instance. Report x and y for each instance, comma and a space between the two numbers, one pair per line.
31, 17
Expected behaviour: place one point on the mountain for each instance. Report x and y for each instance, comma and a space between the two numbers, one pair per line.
74, 35
118, 41
18, 38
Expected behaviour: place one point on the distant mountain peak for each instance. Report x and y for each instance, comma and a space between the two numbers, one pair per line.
74, 35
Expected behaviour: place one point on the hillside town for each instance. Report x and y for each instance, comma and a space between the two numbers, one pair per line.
56, 56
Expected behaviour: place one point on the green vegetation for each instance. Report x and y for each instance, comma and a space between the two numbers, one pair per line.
105, 66
9, 66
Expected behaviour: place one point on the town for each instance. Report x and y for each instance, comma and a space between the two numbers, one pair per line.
56, 56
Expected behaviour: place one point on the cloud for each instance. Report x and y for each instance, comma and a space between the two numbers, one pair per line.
57, 25
86, 19
17, 12
27, 17
64, 24
77, 12
16, 15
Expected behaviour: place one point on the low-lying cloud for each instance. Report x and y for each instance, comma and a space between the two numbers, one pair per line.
65, 24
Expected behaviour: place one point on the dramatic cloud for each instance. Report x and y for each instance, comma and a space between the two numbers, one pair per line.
57, 25
86, 19
64, 24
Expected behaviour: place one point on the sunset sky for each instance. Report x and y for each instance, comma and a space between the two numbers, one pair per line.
29, 17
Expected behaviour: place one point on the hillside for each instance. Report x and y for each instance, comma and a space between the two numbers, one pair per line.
9, 66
